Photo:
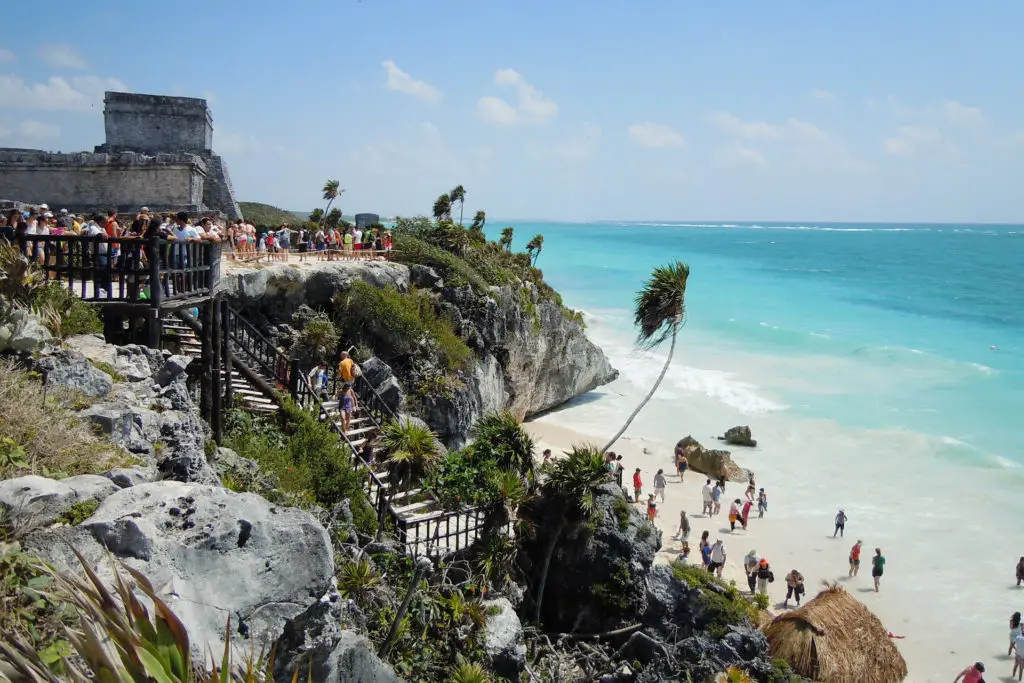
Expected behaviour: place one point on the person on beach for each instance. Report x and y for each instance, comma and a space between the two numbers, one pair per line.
709, 503
705, 549
972, 674
765, 575
652, 508
751, 488
734, 514
717, 558
682, 463
659, 484
840, 524
1015, 631
721, 483
609, 461
638, 486
794, 587
745, 514
762, 503
684, 529
716, 496
750, 564
855, 558
619, 470
1020, 571
684, 556
1016, 647
877, 566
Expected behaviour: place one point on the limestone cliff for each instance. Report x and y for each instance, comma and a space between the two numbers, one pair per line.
531, 355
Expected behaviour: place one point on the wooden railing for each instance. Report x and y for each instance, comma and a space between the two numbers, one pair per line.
152, 271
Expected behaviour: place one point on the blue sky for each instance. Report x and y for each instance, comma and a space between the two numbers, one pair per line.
888, 111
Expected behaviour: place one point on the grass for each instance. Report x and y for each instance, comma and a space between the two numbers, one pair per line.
109, 369
53, 441
64, 314
724, 607
455, 271
79, 512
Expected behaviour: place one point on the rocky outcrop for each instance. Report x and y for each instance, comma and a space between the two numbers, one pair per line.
379, 374
23, 332
739, 436
278, 289
34, 501
503, 639
73, 371
211, 553
714, 463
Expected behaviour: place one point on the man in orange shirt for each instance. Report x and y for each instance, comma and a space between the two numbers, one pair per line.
855, 558
345, 368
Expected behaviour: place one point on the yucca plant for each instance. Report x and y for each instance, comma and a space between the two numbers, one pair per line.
409, 450
119, 641
469, 672
355, 579
733, 674
659, 312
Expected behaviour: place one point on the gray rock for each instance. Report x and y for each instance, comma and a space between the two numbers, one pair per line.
130, 476
173, 368
210, 553
137, 363
184, 436
376, 371
503, 639
37, 501
28, 333
321, 643
739, 436
93, 347
425, 277
716, 463
71, 370
113, 421
390, 391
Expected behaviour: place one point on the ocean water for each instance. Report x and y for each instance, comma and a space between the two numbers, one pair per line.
881, 368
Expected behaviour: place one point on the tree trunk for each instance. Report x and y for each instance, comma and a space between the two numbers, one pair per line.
657, 383
548, 554
461, 203
323, 219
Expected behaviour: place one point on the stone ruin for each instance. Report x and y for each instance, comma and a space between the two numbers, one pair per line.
158, 153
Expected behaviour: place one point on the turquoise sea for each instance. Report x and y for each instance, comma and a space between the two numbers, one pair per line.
877, 326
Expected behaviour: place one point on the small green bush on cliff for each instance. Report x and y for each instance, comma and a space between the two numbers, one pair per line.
723, 607
411, 250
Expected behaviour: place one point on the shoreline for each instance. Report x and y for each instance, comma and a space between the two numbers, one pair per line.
788, 543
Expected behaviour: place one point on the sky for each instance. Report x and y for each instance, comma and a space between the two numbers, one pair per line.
571, 110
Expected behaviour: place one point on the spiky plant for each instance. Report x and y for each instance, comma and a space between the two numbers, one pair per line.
572, 482
733, 674
659, 312
469, 672
320, 337
409, 450
355, 579
500, 435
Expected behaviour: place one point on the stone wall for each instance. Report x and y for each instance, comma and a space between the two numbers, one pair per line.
155, 123
87, 182
217, 190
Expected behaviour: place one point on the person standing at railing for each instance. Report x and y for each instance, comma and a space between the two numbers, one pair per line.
183, 233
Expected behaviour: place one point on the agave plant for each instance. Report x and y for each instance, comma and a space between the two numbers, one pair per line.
119, 641
733, 674
469, 672
409, 450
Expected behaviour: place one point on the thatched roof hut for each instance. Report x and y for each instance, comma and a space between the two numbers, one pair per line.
835, 638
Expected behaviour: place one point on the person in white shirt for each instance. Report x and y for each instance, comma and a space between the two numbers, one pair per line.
717, 558
709, 504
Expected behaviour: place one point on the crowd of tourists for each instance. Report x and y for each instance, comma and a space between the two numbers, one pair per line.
326, 243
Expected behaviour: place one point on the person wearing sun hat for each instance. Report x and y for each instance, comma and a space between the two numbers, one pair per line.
750, 564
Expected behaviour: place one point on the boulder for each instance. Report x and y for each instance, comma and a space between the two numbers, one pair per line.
321, 643
73, 371
37, 501
425, 277
503, 639
27, 332
173, 367
93, 347
211, 553
124, 477
714, 463
184, 436
738, 436
137, 363
376, 371
597, 579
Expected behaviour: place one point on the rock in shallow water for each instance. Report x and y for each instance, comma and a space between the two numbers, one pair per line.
739, 436
210, 553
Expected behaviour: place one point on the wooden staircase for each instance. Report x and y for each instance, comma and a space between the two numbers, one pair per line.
261, 374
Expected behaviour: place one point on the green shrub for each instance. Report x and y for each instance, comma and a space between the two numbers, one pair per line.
64, 314
622, 510
463, 478
723, 607
79, 512
761, 600
401, 325
80, 318
456, 272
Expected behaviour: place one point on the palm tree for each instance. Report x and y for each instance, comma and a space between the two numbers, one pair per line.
660, 309
476, 228
506, 238
534, 247
500, 436
410, 450
572, 483
458, 195
479, 220
443, 208
331, 192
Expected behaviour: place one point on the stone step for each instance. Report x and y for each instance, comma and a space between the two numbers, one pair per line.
413, 507
405, 495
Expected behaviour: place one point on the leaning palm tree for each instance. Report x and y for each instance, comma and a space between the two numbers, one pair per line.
443, 208
660, 311
506, 238
410, 450
332, 190
572, 483
458, 195
534, 247
476, 229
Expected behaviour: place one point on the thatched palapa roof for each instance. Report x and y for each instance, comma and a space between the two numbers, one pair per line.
835, 638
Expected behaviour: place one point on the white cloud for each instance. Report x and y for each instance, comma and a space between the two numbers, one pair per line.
737, 154
497, 110
532, 106
63, 56
897, 147
81, 93
6, 56
962, 115
36, 130
909, 139
793, 129
582, 144
230, 142
400, 81
822, 94
649, 134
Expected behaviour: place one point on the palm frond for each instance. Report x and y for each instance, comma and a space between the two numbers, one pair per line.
661, 304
